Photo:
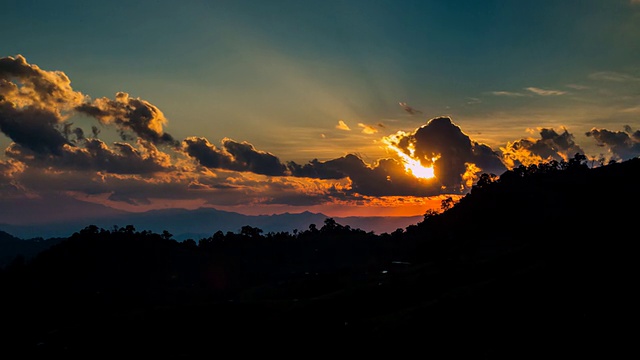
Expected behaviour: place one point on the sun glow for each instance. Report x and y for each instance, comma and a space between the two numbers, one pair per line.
412, 165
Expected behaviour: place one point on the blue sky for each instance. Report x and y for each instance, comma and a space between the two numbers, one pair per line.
281, 75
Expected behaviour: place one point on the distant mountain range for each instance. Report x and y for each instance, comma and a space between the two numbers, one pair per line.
203, 222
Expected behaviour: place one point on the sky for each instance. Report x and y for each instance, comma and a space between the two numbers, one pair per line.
341, 107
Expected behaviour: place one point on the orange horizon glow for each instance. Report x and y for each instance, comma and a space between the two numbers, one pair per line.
389, 206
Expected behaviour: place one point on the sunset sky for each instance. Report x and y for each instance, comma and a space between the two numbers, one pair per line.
340, 107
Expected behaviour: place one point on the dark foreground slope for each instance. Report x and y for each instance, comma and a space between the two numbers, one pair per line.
539, 263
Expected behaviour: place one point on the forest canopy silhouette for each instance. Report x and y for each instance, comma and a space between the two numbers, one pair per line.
535, 259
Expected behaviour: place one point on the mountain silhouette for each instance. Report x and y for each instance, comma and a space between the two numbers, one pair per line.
202, 222
540, 260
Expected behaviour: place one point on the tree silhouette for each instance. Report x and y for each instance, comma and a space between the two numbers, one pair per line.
508, 253
447, 203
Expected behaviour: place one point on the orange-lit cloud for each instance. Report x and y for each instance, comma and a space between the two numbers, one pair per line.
442, 146
34, 87
368, 129
551, 146
50, 157
97, 156
133, 114
342, 126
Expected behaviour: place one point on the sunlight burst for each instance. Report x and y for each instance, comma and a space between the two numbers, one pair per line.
412, 165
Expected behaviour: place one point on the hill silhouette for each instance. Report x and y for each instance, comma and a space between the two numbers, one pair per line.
540, 260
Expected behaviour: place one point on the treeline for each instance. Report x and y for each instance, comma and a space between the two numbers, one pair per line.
542, 249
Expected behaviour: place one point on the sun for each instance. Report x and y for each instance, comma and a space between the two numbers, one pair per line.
416, 169
412, 165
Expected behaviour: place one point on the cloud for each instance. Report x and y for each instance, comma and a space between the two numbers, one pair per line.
317, 169
35, 87
613, 76
409, 109
49, 154
368, 129
33, 128
577, 86
507, 93
132, 114
442, 144
622, 145
34, 104
97, 156
8, 171
342, 126
551, 146
544, 92
233, 156
386, 177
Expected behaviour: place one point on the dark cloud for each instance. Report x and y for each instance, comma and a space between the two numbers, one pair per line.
551, 146
130, 114
247, 157
33, 105
622, 145
387, 177
206, 153
96, 156
439, 143
50, 153
233, 156
317, 169
32, 128
487, 159
409, 109
442, 144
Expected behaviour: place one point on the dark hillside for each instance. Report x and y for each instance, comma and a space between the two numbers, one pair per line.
540, 261
13, 249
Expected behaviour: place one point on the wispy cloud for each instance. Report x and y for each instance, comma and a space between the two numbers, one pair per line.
545, 92
507, 93
613, 76
409, 109
577, 86
342, 126
473, 101
634, 109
